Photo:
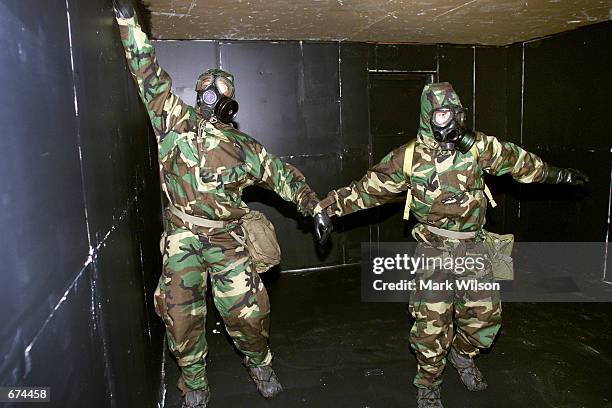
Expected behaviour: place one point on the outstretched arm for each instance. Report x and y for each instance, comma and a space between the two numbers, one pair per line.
168, 113
280, 177
498, 158
381, 184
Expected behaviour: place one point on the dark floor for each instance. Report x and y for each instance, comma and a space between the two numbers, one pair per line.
332, 350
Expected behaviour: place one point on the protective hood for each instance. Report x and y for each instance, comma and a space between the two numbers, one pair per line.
434, 96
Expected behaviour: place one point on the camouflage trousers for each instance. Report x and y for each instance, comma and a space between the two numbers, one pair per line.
238, 294
446, 316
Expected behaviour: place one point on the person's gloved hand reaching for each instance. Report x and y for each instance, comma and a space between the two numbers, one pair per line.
556, 175
323, 226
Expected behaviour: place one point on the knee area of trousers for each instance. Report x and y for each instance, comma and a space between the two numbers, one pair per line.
441, 312
237, 320
186, 331
255, 311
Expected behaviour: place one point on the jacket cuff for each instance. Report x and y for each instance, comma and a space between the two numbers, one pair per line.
330, 204
551, 174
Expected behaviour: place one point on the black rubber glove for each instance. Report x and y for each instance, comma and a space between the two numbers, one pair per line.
323, 227
123, 8
556, 175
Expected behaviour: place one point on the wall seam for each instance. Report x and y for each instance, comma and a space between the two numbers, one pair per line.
518, 215
92, 257
605, 267
95, 320
77, 120
341, 130
474, 87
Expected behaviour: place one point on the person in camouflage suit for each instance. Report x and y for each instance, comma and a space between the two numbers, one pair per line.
205, 165
449, 204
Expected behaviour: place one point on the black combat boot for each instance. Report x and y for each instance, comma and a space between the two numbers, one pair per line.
265, 379
196, 398
468, 372
429, 397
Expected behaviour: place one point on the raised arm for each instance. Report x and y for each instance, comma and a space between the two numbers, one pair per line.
381, 184
280, 177
498, 158
166, 110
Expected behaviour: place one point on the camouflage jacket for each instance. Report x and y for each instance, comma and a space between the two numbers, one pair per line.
447, 187
204, 166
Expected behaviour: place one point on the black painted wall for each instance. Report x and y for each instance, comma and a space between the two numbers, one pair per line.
311, 103
81, 204
306, 102
80, 211
565, 93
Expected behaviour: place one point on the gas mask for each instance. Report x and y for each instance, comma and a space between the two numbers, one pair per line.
215, 90
448, 125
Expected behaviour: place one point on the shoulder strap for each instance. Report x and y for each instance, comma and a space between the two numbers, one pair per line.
487, 192
407, 169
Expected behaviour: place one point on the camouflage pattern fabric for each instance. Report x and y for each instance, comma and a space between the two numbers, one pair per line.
448, 193
447, 187
204, 168
238, 294
465, 319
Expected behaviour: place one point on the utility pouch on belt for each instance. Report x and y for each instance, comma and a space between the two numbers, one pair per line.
260, 240
499, 248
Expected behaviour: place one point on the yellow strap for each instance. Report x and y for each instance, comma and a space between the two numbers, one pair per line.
487, 192
489, 195
407, 169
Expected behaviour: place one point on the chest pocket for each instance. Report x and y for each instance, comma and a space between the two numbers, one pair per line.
222, 165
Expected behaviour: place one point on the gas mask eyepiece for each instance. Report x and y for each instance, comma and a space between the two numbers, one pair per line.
214, 98
449, 129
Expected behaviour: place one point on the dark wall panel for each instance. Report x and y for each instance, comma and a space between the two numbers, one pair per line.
505, 188
514, 93
354, 84
308, 103
456, 65
566, 121
394, 110
355, 154
65, 355
289, 93
491, 89
114, 147
403, 57
186, 60
85, 168
394, 120
120, 178
134, 349
319, 99
268, 82
566, 92
43, 212
81, 206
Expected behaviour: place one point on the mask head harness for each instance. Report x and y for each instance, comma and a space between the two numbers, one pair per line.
449, 128
215, 92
